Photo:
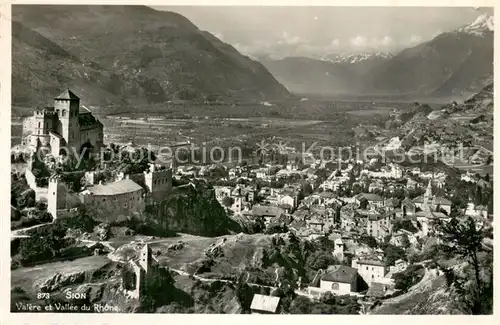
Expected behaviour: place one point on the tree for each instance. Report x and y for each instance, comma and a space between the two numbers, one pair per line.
409, 277
405, 241
393, 253
320, 259
301, 305
227, 201
158, 289
463, 238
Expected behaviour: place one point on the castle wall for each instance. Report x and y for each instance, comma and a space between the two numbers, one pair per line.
55, 144
41, 193
92, 136
115, 207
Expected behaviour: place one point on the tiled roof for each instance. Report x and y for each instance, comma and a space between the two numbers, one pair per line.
67, 94
115, 188
83, 110
341, 273
265, 303
266, 210
369, 197
326, 194
392, 202
373, 262
442, 201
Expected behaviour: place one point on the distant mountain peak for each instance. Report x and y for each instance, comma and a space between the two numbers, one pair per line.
483, 23
356, 57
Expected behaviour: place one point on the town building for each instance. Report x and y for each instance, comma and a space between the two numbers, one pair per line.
371, 270
428, 201
365, 200
267, 212
340, 280
263, 304
65, 125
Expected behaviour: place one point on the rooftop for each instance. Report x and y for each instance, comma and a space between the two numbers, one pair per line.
115, 188
369, 197
341, 273
266, 210
373, 262
67, 94
265, 303
83, 110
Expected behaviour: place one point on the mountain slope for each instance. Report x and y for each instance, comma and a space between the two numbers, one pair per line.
128, 54
446, 65
332, 75
453, 64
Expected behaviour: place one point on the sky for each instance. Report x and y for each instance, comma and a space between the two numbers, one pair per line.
316, 31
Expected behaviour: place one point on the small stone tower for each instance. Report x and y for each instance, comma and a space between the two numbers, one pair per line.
56, 195
145, 258
427, 197
338, 250
158, 182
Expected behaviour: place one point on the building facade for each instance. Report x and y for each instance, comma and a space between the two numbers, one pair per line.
370, 270
341, 280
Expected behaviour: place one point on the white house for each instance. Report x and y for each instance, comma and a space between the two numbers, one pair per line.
340, 280
371, 270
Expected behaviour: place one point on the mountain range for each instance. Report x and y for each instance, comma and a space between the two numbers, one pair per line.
459, 62
115, 56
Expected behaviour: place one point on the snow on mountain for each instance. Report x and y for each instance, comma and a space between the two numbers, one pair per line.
483, 23
356, 57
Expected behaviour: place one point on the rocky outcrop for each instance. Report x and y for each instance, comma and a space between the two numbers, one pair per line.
60, 280
194, 211
103, 231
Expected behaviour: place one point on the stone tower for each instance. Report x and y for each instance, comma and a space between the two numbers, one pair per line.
56, 195
145, 258
67, 106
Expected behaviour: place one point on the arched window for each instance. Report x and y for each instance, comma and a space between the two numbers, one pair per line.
63, 112
335, 286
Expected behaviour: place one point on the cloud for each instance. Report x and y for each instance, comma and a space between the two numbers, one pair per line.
359, 41
415, 39
289, 39
386, 41
374, 43
335, 43
219, 36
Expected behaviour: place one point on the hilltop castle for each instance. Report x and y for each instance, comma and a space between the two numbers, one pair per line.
64, 125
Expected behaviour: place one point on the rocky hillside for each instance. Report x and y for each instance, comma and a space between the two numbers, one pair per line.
128, 55
480, 103
194, 211
413, 111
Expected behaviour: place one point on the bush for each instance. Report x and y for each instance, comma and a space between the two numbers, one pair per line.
368, 240
405, 224
320, 260
408, 278
41, 246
